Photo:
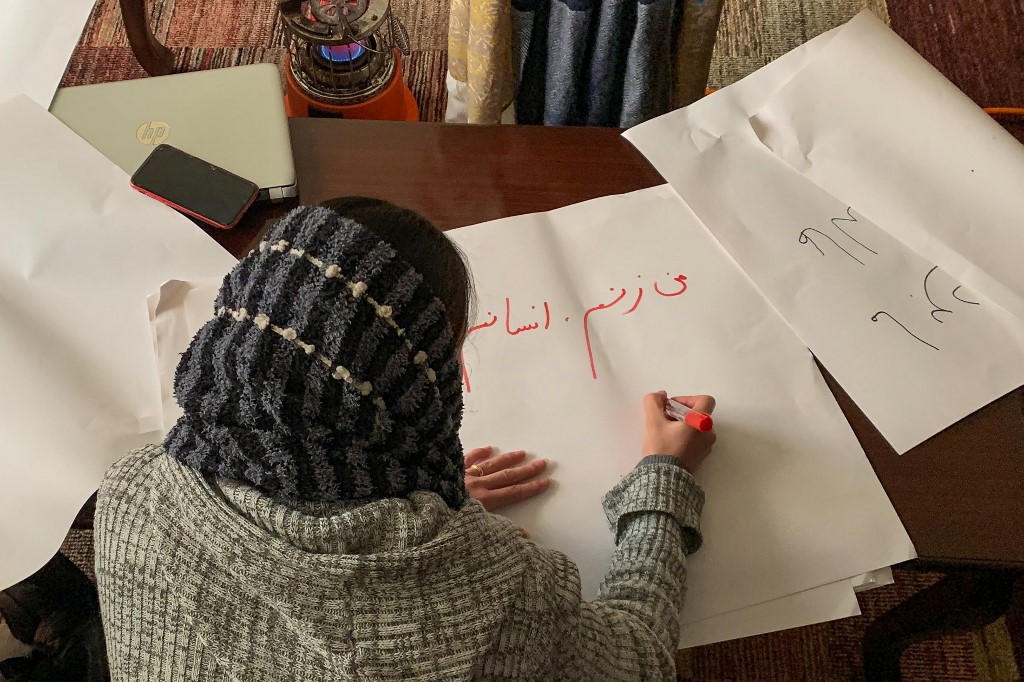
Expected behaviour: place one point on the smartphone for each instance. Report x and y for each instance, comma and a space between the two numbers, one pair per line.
195, 187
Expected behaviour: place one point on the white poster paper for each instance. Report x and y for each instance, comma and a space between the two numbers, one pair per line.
82, 250
873, 579
816, 605
871, 121
912, 346
585, 309
176, 312
877, 126
36, 43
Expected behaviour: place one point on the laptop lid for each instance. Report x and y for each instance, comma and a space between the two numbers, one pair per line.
232, 117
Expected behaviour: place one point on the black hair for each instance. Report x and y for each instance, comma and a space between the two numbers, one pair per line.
423, 246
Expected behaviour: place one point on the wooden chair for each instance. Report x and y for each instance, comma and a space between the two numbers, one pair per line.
151, 54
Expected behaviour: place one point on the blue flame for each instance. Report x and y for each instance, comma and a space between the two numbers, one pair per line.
342, 54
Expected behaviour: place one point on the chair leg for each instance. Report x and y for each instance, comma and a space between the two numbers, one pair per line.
959, 602
154, 57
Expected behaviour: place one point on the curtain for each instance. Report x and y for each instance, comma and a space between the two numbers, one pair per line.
577, 62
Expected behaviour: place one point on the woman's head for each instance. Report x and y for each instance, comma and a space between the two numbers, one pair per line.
422, 246
330, 370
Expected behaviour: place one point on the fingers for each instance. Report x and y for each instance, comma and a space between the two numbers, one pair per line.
502, 497
511, 475
481, 463
477, 455
502, 480
499, 462
701, 403
654, 407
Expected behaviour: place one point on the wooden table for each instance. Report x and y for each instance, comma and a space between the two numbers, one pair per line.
960, 494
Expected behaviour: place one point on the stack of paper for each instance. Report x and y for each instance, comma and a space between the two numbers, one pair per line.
584, 310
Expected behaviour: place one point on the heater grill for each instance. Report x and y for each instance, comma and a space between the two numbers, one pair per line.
342, 52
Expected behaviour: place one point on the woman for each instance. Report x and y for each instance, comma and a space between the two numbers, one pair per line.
308, 517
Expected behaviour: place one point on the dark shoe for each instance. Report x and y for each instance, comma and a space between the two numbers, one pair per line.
56, 611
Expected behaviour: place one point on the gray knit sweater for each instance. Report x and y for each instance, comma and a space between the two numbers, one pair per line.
207, 579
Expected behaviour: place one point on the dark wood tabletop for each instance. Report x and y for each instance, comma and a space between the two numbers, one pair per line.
960, 494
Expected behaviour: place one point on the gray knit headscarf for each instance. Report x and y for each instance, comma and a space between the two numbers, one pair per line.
329, 372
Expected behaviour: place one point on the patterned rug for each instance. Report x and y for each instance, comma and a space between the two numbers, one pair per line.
972, 43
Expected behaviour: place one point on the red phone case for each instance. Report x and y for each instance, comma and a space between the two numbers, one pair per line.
195, 215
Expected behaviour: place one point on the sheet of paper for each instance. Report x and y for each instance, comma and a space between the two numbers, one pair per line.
582, 311
870, 121
913, 347
82, 250
176, 312
817, 605
875, 125
36, 42
873, 579
179, 308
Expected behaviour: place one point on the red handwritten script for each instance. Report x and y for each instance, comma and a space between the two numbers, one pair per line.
536, 322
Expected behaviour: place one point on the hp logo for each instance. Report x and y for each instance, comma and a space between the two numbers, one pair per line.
153, 132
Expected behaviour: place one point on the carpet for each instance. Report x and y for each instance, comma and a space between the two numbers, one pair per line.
754, 32
979, 46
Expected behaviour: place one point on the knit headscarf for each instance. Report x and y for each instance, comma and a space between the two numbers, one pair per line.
328, 373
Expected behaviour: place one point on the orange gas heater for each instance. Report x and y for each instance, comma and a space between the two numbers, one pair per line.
345, 60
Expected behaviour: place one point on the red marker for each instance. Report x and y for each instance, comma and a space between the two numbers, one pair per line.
681, 413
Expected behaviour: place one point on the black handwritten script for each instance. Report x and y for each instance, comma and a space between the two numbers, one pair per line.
856, 246
874, 318
537, 321
806, 238
935, 311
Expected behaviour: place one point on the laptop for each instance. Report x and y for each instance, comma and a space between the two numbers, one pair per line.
232, 117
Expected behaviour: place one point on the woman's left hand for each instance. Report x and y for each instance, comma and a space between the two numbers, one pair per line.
504, 479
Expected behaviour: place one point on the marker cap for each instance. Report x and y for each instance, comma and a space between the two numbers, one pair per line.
698, 420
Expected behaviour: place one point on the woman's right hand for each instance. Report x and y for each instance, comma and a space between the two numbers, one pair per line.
666, 436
